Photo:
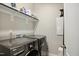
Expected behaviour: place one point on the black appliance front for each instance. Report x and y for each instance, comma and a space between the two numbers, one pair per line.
24, 50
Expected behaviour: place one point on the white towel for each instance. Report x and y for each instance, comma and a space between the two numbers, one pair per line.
59, 25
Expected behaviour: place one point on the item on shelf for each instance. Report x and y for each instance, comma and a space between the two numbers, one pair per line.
62, 12
13, 4
23, 10
33, 15
26, 11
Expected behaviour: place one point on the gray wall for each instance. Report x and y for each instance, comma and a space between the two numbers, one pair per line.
72, 28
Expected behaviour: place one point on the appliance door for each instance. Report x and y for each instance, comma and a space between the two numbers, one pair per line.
4, 51
44, 48
21, 54
32, 52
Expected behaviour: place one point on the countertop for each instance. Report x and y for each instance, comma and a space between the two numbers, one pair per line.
15, 42
35, 36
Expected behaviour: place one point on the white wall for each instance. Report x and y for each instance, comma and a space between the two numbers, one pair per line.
47, 13
25, 5
72, 28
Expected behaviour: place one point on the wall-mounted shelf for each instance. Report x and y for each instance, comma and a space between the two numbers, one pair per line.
18, 11
13, 20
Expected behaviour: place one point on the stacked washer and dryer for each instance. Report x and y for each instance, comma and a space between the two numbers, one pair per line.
36, 47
